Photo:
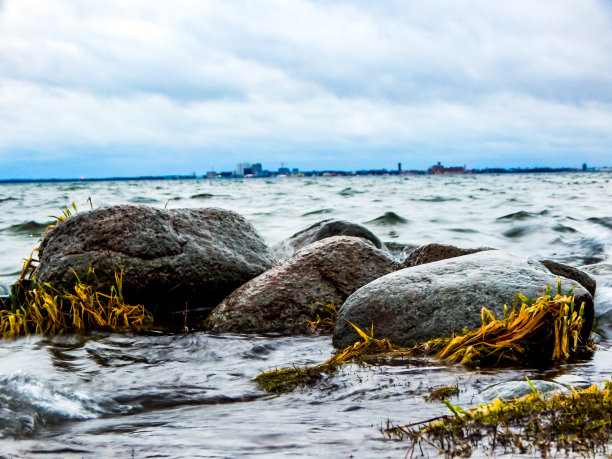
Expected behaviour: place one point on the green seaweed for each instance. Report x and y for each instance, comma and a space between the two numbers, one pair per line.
578, 423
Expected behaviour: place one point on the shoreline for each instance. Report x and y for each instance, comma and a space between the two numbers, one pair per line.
325, 173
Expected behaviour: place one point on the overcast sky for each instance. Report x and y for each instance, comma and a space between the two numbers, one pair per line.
121, 88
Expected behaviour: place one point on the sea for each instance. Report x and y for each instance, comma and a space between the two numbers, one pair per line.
192, 395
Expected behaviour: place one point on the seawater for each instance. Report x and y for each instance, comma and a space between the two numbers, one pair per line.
192, 395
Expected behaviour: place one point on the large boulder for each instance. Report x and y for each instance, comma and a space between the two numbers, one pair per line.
321, 230
444, 297
172, 260
435, 252
284, 298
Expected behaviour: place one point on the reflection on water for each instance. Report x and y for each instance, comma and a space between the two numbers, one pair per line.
192, 395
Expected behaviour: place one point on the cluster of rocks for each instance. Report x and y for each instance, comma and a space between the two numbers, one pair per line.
209, 267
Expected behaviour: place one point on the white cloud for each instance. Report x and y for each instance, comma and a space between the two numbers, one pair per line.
479, 78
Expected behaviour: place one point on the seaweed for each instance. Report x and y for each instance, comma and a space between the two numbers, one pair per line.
579, 422
547, 329
287, 379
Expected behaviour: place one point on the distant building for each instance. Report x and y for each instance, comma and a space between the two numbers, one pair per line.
284, 171
439, 169
257, 169
240, 168
211, 174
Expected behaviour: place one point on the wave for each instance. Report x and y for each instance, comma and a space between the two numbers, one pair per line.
522, 215
519, 231
202, 196
143, 200
29, 402
436, 199
388, 219
349, 192
28, 228
579, 252
603, 221
464, 230
559, 228
318, 212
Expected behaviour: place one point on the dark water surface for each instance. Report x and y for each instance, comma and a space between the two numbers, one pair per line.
174, 395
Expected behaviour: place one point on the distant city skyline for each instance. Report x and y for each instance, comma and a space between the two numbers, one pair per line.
113, 88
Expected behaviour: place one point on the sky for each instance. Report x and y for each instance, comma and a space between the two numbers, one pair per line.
153, 87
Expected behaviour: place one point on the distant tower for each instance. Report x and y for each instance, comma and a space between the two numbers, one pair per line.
584, 166
399, 167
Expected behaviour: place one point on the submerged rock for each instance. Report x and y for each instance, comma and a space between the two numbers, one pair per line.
571, 273
321, 230
284, 298
510, 390
172, 260
436, 252
438, 299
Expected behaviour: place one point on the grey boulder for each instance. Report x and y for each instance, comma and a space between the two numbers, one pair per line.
172, 260
284, 298
321, 230
441, 298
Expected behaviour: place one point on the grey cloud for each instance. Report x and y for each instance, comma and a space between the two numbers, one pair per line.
295, 76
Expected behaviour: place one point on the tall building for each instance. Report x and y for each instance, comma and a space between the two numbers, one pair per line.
240, 167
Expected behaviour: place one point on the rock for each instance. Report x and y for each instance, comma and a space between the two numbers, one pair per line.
441, 298
172, 260
436, 252
571, 273
321, 230
282, 299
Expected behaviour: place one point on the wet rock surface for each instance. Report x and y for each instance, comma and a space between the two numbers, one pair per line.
570, 272
435, 252
172, 260
321, 230
284, 298
441, 298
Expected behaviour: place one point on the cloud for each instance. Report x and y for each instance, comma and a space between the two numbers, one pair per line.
306, 80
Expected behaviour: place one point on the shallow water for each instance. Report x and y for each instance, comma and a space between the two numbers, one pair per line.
166, 395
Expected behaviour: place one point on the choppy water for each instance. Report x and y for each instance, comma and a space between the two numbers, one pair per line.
163, 395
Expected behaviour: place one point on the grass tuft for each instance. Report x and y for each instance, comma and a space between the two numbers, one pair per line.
324, 317
41, 309
547, 329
